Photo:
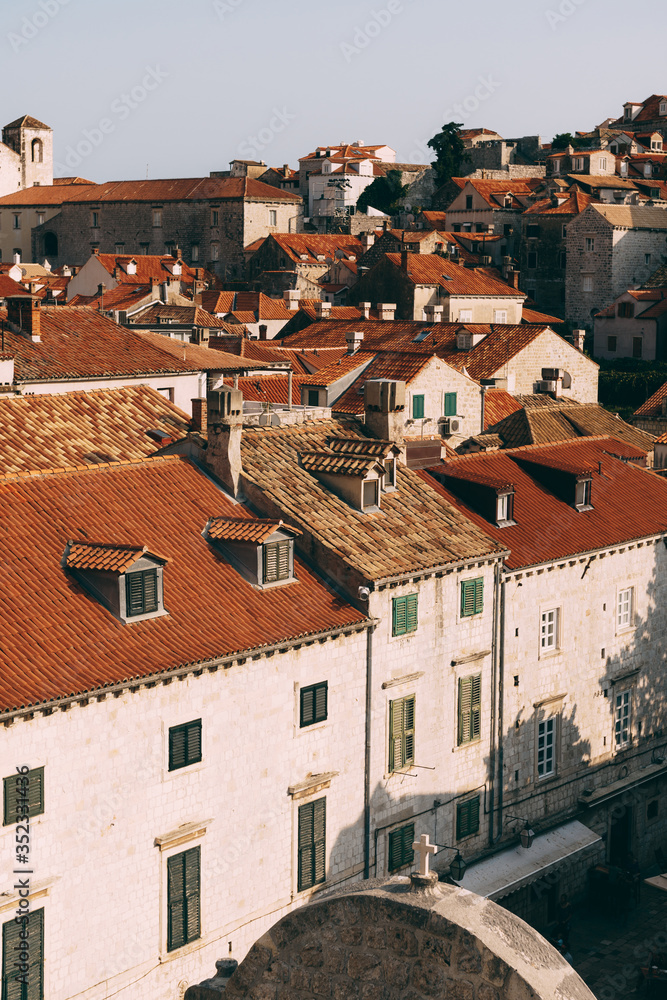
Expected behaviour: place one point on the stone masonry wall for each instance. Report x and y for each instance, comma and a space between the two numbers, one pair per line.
551, 351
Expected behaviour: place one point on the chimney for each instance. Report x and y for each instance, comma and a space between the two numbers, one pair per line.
95, 251
155, 285
17, 258
404, 260
199, 407
118, 272
23, 313
323, 310
578, 337
384, 410
164, 291
367, 240
67, 271
514, 279
353, 339
291, 297
225, 429
365, 309
434, 313
101, 289
262, 331
386, 310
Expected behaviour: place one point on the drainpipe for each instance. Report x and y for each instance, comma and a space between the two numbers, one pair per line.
367, 758
501, 691
494, 688
483, 389
289, 389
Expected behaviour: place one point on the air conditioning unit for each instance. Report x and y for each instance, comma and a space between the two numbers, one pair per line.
485, 261
450, 425
546, 385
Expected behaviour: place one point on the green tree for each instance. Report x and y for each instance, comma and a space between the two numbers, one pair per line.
562, 140
383, 194
449, 152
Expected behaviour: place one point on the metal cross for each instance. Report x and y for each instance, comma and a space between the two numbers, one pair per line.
423, 849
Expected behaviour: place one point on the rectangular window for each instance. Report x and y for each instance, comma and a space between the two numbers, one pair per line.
16, 223
215, 251
465, 316
647, 259
470, 708
95, 220
312, 844
505, 507
562, 259
183, 901
468, 202
417, 407
389, 472
508, 229
273, 217
450, 404
12, 942
370, 493
467, 818
611, 344
549, 630
500, 315
401, 732
532, 260
624, 608
215, 217
404, 614
141, 593
276, 561
626, 309
582, 493
184, 745
532, 231
637, 347
40, 218
622, 719
587, 283
472, 597
563, 231
556, 166
546, 746
157, 218
29, 786
400, 847
590, 244
313, 397
603, 163
313, 704
194, 253
167, 392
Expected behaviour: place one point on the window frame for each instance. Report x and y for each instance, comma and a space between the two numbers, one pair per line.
404, 615
587, 282
612, 342
144, 574
401, 841
313, 394
190, 852
589, 244
215, 218
531, 260
622, 626
273, 217
500, 313
314, 689
318, 876
450, 404
34, 926
508, 512
281, 574
375, 502
406, 736
550, 737
477, 584
582, 494
418, 406
195, 725
622, 719
156, 215
554, 633
467, 818
469, 730
10, 819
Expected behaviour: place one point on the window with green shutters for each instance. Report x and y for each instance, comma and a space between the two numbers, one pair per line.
400, 847
401, 732
470, 689
467, 818
450, 404
184, 745
276, 562
418, 407
141, 595
313, 704
183, 905
312, 843
14, 795
404, 616
472, 597
32, 988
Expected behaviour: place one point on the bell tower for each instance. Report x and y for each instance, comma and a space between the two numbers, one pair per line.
32, 140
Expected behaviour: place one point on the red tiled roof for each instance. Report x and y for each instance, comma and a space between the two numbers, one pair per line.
432, 269
10, 287
44, 431
104, 558
653, 405
41, 195
75, 644
542, 319
628, 502
649, 112
196, 356
244, 529
435, 220
190, 315
312, 245
80, 343
498, 404
338, 368
400, 365
575, 203
147, 266
121, 297
336, 312
270, 388
177, 189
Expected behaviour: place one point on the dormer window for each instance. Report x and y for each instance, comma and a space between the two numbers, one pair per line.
371, 493
125, 579
389, 474
582, 494
132, 267
505, 509
662, 108
356, 469
261, 550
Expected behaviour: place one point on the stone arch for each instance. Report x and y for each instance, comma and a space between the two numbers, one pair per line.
37, 151
397, 941
50, 244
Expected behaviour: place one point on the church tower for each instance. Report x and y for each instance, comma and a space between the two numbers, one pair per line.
32, 140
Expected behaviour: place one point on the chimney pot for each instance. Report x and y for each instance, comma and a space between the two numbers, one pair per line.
578, 337
353, 339
386, 310
365, 309
199, 415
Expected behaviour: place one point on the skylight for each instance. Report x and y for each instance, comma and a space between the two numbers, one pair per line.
422, 335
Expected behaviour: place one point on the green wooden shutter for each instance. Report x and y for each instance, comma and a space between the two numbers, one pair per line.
312, 844
417, 407
320, 702
307, 706
479, 595
465, 698
12, 792
450, 404
408, 841
411, 613
395, 734
33, 986
177, 747
194, 741
319, 837
476, 707
408, 730
467, 818
141, 593
400, 847
150, 590
183, 894
399, 616
467, 598
192, 894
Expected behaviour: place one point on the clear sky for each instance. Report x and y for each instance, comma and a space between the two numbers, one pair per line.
159, 88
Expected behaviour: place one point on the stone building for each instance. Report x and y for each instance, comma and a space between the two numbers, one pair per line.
610, 249
648, 116
582, 741
633, 326
492, 206
210, 220
23, 210
306, 256
26, 155
348, 156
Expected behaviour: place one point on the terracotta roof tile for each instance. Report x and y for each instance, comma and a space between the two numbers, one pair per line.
432, 269
176, 189
246, 529
104, 558
197, 356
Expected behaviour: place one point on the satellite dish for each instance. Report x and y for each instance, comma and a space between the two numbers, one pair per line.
328, 260
339, 254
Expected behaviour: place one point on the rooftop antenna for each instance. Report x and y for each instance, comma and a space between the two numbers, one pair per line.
146, 171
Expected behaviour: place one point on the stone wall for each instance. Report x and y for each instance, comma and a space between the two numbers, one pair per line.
549, 350
546, 282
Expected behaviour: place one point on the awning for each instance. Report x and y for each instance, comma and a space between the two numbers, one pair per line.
515, 867
659, 881
632, 780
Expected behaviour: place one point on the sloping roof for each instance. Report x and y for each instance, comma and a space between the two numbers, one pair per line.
494, 191
75, 644
146, 266
399, 365
627, 502
412, 532
122, 297
38, 195
575, 203
180, 189
189, 315
45, 431
103, 558
562, 421
80, 343
311, 245
498, 404
632, 216
535, 317
338, 368
435, 220
27, 121
271, 388
336, 312
432, 269
653, 405
197, 356
649, 112
244, 529
10, 287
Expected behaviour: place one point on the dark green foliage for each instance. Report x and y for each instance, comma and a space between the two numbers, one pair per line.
449, 152
383, 194
626, 383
